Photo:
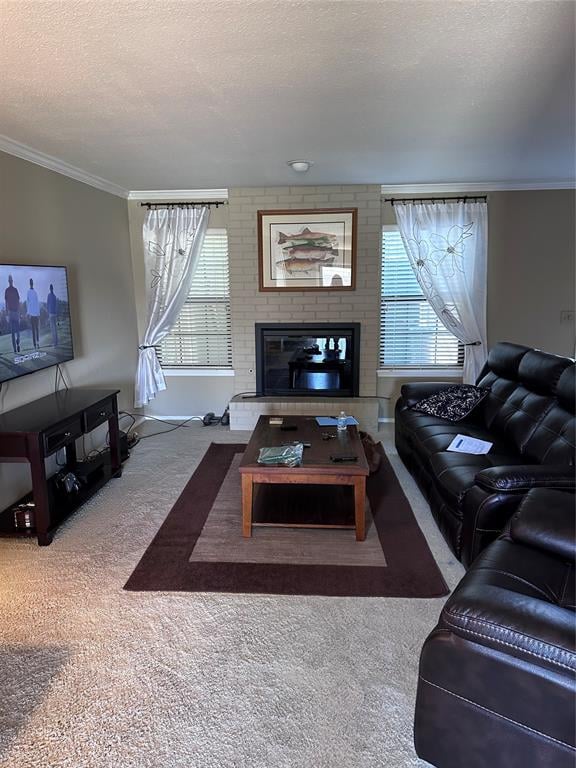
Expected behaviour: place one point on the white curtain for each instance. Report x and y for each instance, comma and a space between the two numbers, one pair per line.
446, 243
173, 240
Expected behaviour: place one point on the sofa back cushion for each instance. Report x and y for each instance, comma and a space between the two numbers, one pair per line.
531, 402
554, 438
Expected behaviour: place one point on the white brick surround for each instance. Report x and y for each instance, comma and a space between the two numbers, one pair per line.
249, 306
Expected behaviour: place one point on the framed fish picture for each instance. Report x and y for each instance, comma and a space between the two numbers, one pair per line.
311, 250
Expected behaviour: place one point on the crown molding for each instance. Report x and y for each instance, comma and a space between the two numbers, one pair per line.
481, 186
166, 195
25, 152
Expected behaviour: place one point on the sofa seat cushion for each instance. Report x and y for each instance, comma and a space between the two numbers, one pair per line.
515, 599
455, 473
430, 437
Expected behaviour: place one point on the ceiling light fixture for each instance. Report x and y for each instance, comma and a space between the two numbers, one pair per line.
300, 166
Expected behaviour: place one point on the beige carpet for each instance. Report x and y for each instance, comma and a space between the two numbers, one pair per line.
97, 677
221, 540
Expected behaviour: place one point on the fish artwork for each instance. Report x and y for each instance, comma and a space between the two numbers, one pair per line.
292, 265
307, 236
309, 252
306, 250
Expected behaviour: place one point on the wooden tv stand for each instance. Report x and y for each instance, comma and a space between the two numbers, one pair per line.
39, 429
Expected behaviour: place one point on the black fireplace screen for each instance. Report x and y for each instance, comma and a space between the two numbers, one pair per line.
307, 359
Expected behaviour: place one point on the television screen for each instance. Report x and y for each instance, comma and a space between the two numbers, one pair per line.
35, 329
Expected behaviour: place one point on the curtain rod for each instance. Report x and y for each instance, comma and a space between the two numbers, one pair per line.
462, 198
191, 204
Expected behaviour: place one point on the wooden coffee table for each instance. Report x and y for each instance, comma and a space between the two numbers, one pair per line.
316, 467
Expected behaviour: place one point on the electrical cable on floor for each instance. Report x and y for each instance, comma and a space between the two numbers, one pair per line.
172, 422
166, 431
174, 426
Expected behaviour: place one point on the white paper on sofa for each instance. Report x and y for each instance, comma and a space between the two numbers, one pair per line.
465, 444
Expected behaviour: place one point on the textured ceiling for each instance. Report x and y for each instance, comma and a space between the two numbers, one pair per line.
185, 94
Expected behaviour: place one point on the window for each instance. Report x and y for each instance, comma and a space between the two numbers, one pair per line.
411, 336
201, 335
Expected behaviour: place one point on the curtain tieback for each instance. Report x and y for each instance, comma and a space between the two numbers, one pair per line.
146, 346
472, 344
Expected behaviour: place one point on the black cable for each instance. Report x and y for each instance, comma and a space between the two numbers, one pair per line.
174, 426
123, 414
170, 421
95, 452
166, 431
59, 375
134, 416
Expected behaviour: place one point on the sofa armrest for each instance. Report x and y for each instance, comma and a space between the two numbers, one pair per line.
545, 520
521, 478
418, 390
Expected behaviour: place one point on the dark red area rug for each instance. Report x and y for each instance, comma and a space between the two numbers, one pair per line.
407, 569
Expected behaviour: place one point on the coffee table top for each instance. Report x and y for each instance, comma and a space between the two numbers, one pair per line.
316, 459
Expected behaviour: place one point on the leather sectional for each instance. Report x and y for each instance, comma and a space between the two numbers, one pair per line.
528, 415
497, 680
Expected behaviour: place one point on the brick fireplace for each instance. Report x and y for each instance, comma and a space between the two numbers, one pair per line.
249, 305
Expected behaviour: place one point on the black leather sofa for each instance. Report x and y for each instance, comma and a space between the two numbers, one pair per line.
497, 680
528, 416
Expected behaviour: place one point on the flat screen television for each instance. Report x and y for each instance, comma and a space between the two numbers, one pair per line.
35, 328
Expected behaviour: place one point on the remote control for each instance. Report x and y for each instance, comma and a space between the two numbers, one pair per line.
343, 457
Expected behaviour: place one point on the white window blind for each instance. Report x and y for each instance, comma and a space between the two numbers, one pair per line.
201, 336
411, 336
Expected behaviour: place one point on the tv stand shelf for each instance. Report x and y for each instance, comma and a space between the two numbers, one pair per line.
37, 430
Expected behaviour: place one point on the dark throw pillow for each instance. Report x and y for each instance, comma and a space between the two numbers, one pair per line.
453, 403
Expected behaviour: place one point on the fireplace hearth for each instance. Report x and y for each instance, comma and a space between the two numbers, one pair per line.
308, 359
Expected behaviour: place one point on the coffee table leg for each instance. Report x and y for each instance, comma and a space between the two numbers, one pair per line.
360, 507
247, 505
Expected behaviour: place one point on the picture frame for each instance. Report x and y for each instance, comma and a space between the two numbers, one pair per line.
307, 250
